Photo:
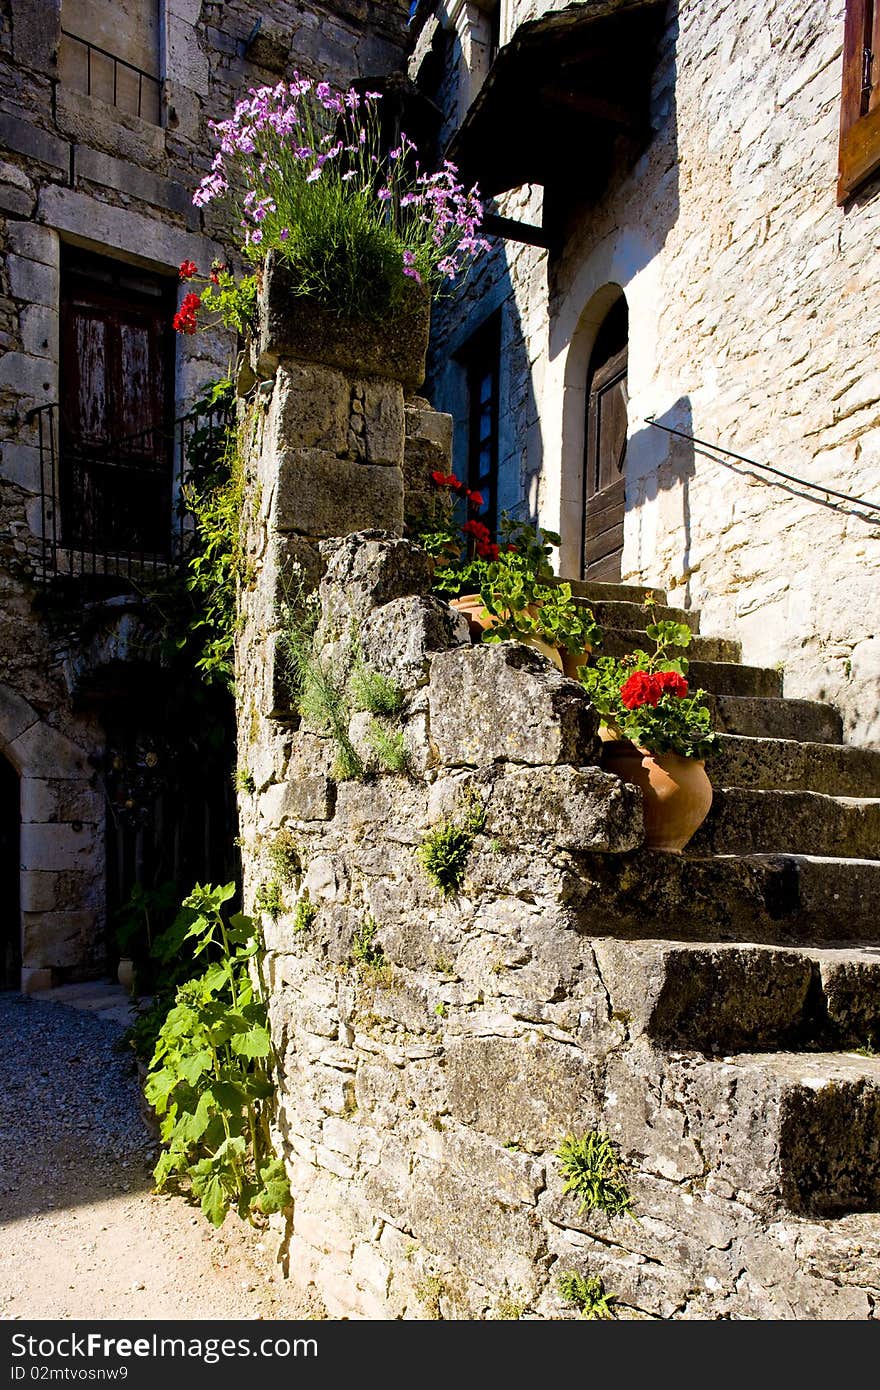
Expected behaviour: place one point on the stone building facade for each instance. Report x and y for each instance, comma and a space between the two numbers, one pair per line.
104, 130
705, 194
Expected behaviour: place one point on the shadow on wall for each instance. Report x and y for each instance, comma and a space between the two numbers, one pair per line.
609, 247
658, 463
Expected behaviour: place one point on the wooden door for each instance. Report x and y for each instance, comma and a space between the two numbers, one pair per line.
116, 406
604, 467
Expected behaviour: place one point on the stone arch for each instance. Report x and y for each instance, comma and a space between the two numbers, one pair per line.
62, 849
574, 402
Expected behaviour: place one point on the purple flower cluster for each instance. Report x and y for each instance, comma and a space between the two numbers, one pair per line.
280, 139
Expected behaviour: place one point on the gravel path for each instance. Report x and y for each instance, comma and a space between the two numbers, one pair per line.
81, 1233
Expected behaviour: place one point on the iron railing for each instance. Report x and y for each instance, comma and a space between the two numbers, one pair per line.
154, 85
118, 509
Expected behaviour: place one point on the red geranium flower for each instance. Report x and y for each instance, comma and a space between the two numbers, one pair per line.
476, 498
672, 682
487, 550
477, 530
184, 320
187, 270
640, 689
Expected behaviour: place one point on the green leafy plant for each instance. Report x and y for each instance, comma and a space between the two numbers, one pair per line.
373, 692
645, 697
305, 913
284, 857
270, 899
365, 950
389, 747
592, 1172
588, 1294
244, 781
318, 686
210, 1079
444, 852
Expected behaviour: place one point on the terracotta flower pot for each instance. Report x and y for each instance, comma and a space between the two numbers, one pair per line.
573, 661
479, 621
676, 792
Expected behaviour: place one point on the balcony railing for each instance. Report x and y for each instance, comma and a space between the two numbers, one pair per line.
112, 79
118, 509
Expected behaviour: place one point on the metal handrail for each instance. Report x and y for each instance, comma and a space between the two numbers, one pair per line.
140, 73
768, 467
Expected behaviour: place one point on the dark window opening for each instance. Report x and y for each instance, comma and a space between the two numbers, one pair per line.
10, 859
482, 360
605, 448
117, 406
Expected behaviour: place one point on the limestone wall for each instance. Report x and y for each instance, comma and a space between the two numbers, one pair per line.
77, 168
749, 293
436, 1042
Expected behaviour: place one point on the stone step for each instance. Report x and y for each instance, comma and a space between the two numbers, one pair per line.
799, 1128
758, 717
718, 997
787, 765
744, 820
730, 678
632, 617
773, 899
619, 641
598, 591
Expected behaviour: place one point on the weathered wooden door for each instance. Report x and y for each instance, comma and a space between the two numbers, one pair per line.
605, 452
116, 406
10, 913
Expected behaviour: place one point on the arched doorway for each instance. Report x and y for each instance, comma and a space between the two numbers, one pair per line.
605, 436
10, 861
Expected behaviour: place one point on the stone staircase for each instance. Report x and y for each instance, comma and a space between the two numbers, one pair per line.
756, 953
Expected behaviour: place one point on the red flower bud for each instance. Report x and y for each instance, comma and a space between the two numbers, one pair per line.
187, 270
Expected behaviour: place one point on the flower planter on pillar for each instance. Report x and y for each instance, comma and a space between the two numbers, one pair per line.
297, 326
338, 408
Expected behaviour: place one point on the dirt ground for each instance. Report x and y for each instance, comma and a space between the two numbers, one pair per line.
81, 1233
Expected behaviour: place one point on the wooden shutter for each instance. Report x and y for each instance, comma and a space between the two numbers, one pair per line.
860, 103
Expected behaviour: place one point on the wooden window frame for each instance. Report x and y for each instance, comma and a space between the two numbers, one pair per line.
860, 100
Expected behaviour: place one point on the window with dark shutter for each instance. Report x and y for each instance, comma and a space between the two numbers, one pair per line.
860, 104
482, 359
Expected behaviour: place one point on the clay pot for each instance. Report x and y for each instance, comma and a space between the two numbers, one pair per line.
125, 973
573, 661
676, 792
479, 621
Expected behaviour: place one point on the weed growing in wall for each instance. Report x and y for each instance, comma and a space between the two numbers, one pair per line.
305, 913
388, 745
588, 1294
365, 950
210, 1079
592, 1172
373, 692
284, 857
270, 899
443, 853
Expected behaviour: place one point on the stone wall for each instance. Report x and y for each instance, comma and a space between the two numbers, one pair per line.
748, 291
434, 1046
79, 169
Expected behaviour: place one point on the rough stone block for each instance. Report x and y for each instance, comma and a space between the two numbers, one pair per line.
60, 940
304, 798
35, 978
35, 242
34, 281
311, 407
321, 495
399, 639
40, 751
851, 986
365, 571
294, 326
525, 1090
16, 715
504, 702
714, 997
25, 137
125, 177
571, 808
383, 421
21, 465
56, 846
